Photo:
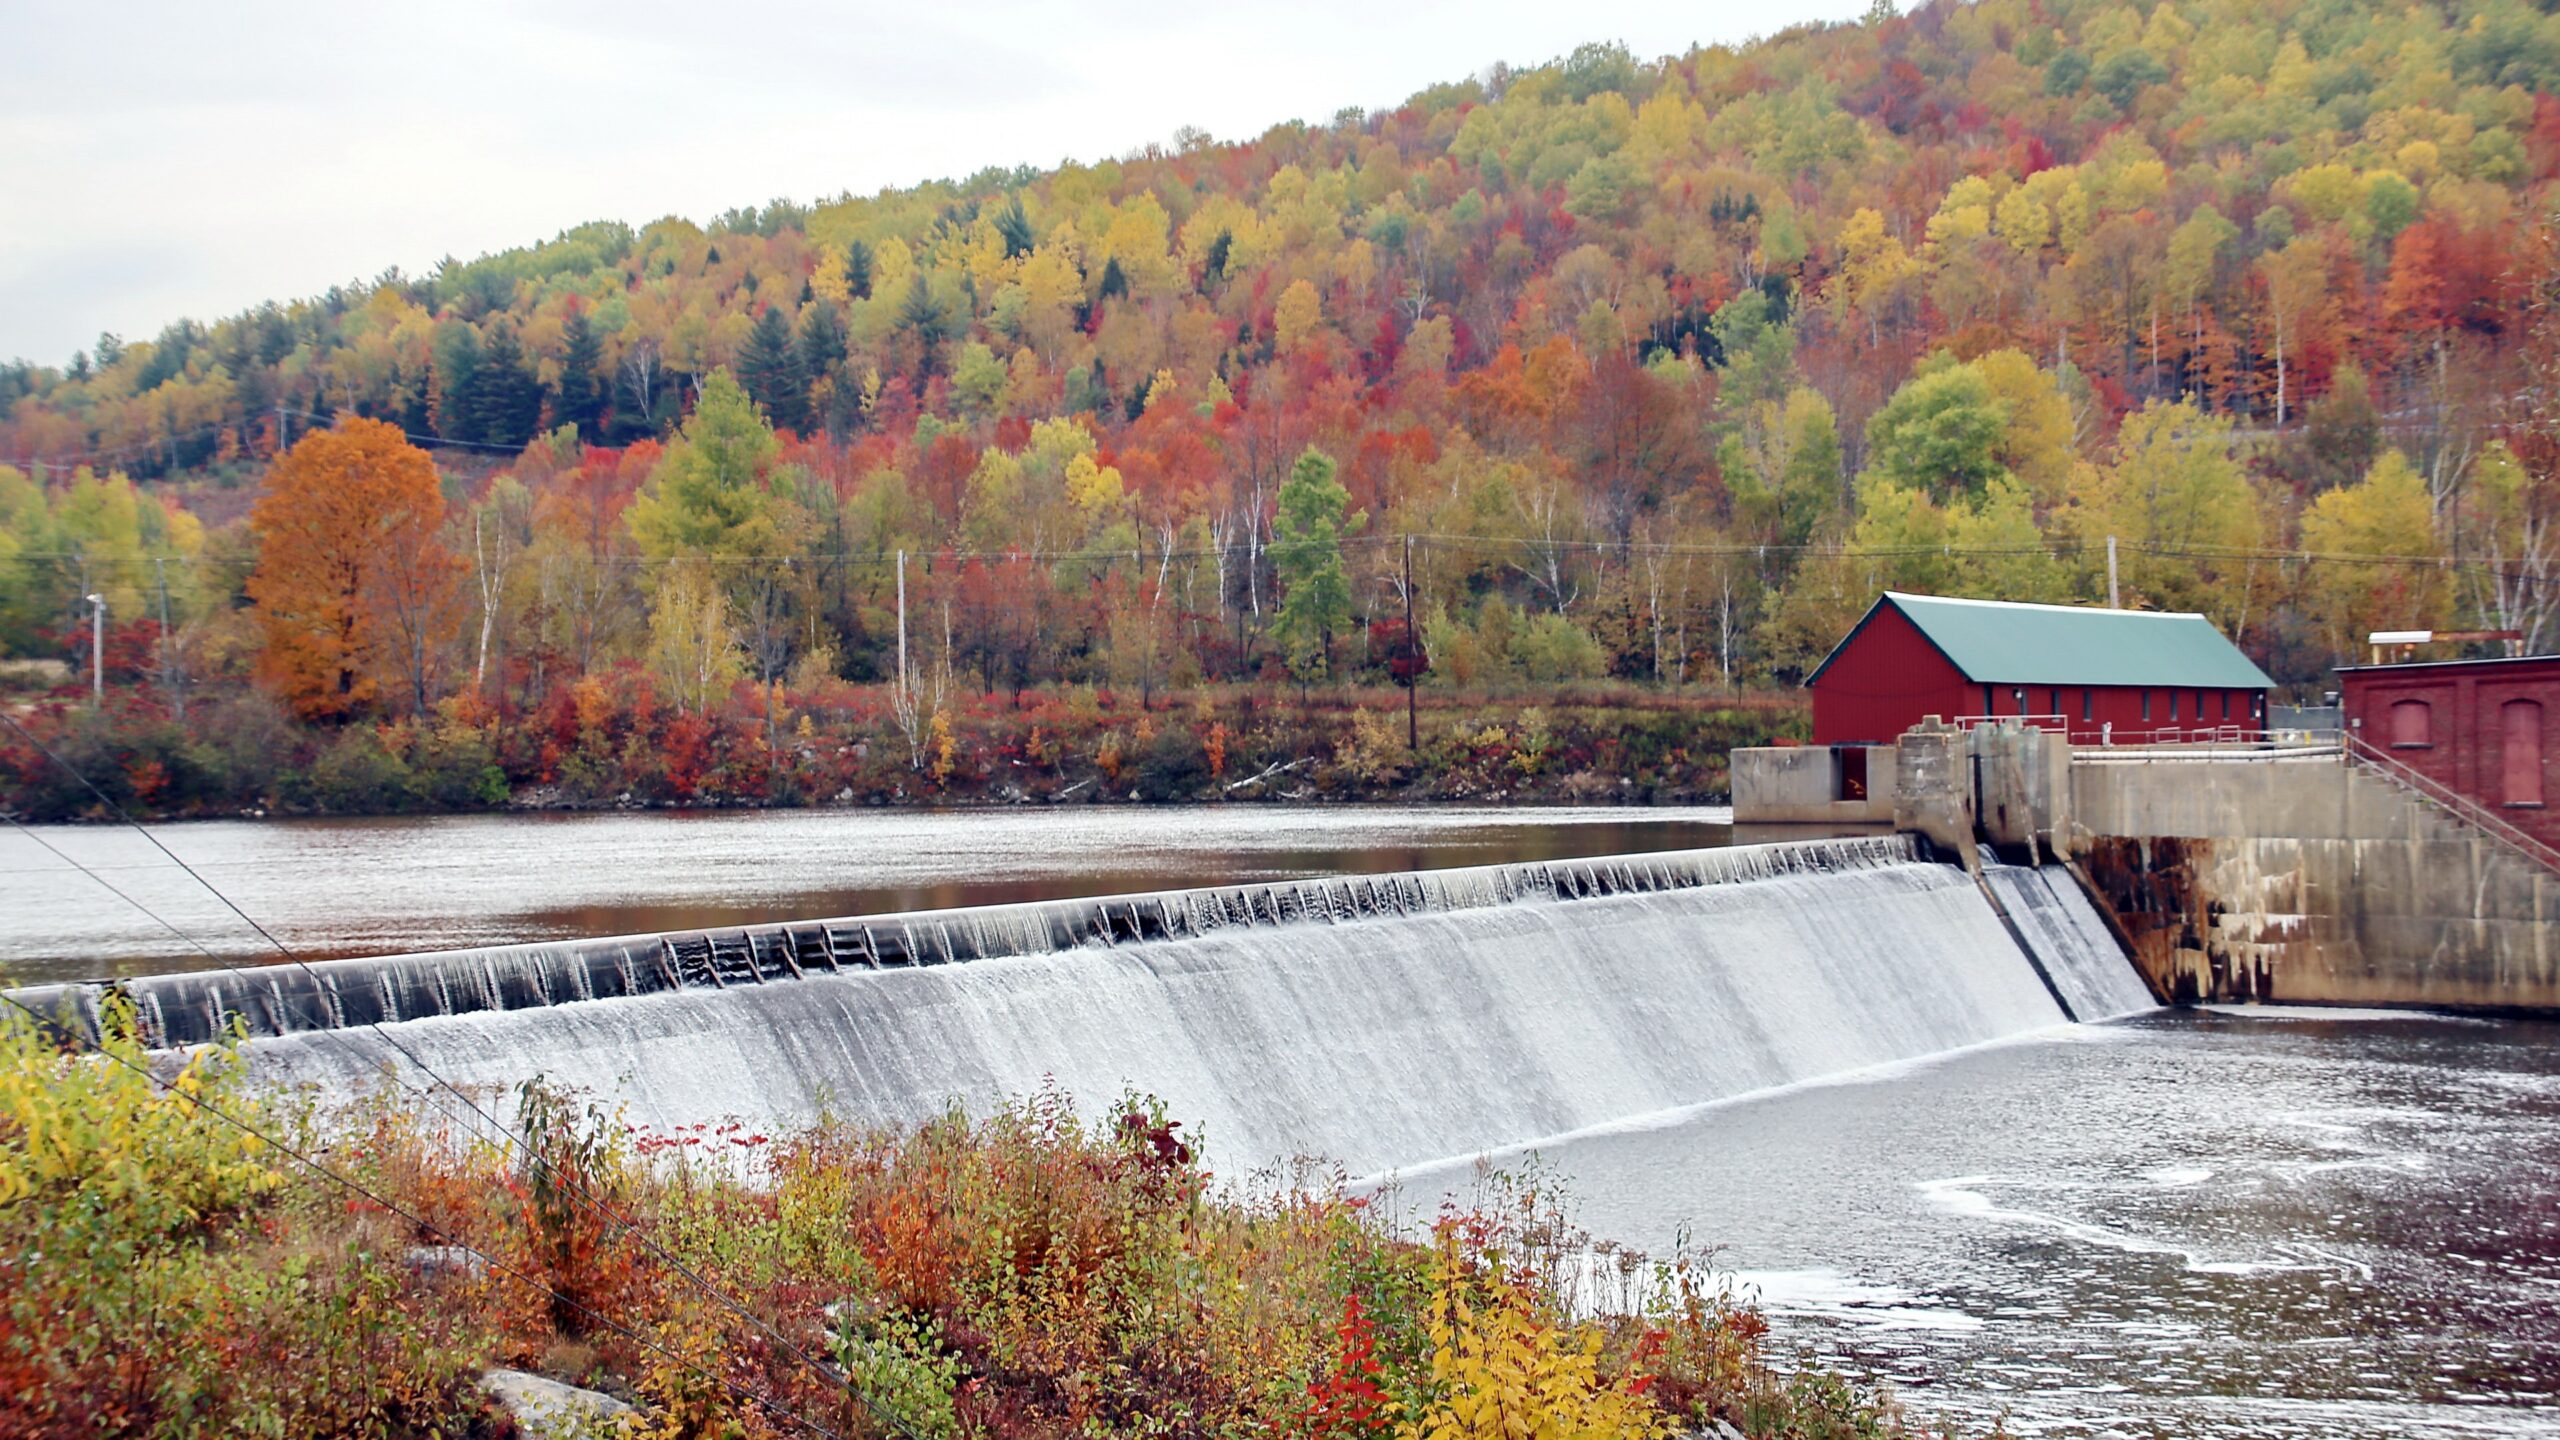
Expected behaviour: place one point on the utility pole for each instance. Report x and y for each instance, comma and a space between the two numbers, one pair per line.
2113, 603
97, 649
1413, 676
168, 669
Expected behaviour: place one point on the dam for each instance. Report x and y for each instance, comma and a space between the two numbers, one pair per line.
1377, 1021
1847, 1064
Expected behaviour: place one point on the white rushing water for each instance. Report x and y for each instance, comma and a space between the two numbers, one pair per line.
1375, 1043
2079, 954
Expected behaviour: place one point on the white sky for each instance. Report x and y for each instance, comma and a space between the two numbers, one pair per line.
168, 158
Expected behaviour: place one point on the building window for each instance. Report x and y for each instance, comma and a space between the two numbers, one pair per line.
2173, 707
2146, 707
2088, 705
2053, 702
2520, 754
2412, 725
2226, 704
2018, 695
1990, 703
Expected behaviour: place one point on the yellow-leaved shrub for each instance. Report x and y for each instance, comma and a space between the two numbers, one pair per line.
1504, 1366
103, 1123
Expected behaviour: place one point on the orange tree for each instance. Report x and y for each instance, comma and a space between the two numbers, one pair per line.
355, 588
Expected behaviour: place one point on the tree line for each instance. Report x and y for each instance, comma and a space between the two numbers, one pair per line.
1657, 368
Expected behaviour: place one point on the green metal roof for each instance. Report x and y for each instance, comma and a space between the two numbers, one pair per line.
1997, 642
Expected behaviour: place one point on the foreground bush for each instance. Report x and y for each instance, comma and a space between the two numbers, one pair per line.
1028, 1274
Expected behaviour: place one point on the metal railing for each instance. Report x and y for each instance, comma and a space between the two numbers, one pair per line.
2233, 742
2103, 735
2463, 809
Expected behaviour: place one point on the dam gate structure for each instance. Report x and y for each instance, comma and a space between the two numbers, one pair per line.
2311, 868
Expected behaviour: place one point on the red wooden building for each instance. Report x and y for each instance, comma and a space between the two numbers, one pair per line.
2104, 676
2483, 728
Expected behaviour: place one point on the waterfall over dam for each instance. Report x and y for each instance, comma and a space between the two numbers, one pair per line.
1377, 1021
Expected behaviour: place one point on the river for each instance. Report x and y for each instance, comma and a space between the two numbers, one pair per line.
2256, 1223
331, 888
2265, 1223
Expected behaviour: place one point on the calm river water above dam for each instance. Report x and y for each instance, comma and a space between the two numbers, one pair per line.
376, 887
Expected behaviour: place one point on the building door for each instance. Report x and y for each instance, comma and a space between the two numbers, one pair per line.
2520, 752
1849, 772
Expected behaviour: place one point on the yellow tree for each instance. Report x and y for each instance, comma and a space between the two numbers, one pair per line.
2297, 292
1873, 267
2387, 572
354, 586
2177, 503
691, 643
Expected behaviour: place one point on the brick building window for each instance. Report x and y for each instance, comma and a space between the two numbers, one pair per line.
2520, 752
2412, 725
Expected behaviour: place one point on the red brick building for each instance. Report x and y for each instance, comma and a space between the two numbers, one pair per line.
2483, 728
2121, 676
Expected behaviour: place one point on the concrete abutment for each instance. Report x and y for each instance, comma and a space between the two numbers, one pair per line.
2260, 874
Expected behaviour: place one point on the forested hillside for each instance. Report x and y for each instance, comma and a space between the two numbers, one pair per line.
1649, 370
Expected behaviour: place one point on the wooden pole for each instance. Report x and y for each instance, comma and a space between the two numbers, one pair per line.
1413, 677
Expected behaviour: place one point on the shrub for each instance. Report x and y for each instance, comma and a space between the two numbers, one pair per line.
1552, 648
1174, 766
360, 775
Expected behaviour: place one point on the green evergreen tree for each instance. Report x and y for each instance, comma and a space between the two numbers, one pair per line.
1014, 224
921, 313
769, 367
1307, 533
579, 397
857, 270
508, 399
453, 382
822, 346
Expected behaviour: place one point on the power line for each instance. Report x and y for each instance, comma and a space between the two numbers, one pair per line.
414, 437
577, 1192
1148, 555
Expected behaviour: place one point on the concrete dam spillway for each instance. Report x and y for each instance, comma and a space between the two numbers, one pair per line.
1380, 1022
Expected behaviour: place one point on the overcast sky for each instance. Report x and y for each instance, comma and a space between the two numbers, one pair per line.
168, 158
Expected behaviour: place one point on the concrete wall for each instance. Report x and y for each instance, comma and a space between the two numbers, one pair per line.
1798, 785
1933, 791
2022, 788
2308, 881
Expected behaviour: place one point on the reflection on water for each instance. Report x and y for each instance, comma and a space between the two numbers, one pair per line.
2278, 1224
370, 887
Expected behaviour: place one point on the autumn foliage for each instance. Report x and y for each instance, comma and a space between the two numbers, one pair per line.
1657, 370
1034, 1274
354, 584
